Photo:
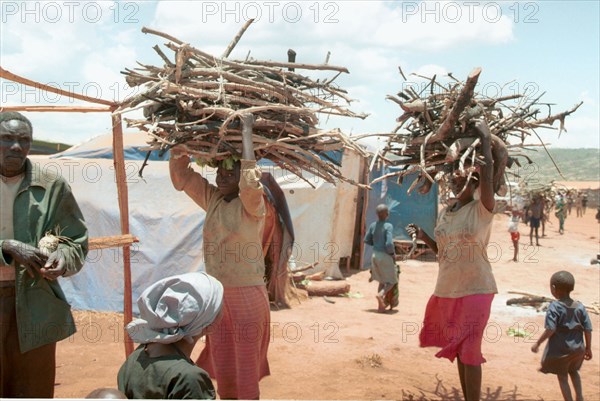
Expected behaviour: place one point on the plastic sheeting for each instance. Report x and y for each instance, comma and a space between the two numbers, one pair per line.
169, 225
100, 147
404, 208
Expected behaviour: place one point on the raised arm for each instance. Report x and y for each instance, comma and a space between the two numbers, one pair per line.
389, 239
251, 190
369, 237
588, 344
184, 178
486, 185
247, 144
414, 229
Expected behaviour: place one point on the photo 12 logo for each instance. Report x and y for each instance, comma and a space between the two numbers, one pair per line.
53, 12
17, 92
469, 11
271, 11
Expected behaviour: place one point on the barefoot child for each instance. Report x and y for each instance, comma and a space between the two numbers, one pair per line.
567, 324
383, 264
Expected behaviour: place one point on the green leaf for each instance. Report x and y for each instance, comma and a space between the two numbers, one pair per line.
518, 333
355, 295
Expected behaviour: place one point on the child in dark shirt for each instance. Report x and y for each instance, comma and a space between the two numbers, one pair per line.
567, 325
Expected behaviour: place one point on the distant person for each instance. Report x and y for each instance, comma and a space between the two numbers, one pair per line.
547, 204
579, 205
584, 202
570, 202
34, 313
536, 213
175, 313
107, 394
383, 262
561, 214
567, 325
513, 229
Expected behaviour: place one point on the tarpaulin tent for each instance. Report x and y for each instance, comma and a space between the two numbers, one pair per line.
169, 225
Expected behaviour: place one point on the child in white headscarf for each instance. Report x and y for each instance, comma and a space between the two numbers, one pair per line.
175, 313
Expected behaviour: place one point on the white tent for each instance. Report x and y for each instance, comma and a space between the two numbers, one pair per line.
169, 225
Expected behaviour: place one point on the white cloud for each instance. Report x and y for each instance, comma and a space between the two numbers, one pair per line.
364, 24
370, 38
588, 100
582, 131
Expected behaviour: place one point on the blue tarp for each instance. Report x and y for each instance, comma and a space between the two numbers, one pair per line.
404, 208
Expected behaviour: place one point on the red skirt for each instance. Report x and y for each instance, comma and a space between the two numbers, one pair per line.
457, 326
236, 348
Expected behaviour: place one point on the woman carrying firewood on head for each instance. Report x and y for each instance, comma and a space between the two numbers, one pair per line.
236, 349
458, 310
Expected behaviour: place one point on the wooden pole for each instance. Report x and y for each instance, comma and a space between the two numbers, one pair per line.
115, 241
13, 77
365, 171
119, 164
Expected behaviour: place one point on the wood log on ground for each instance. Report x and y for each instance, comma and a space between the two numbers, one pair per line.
535, 299
316, 276
326, 288
528, 301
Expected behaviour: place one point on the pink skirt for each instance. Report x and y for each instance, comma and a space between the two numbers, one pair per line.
236, 348
457, 326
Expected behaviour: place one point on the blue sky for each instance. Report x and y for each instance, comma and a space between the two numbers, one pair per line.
550, 46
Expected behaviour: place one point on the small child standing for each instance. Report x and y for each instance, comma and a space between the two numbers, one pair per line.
513, 229
383, 263
567, 324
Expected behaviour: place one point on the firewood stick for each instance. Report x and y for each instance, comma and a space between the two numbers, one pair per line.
463, 99
162, 34
214, 73
561, 116
236, 39
16, 78
302, 66
170, 87
467, 152
163, 56
115, 241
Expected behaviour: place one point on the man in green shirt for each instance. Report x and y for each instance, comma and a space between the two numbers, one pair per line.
34, 313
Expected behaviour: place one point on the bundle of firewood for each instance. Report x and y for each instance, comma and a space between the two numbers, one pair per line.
195, 100
434, 137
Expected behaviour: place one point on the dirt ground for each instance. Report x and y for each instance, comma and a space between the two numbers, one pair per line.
345, 350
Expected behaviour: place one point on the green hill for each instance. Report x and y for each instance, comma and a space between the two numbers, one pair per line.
39, 147
574, 164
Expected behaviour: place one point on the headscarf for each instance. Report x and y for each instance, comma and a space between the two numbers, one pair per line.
177, 307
